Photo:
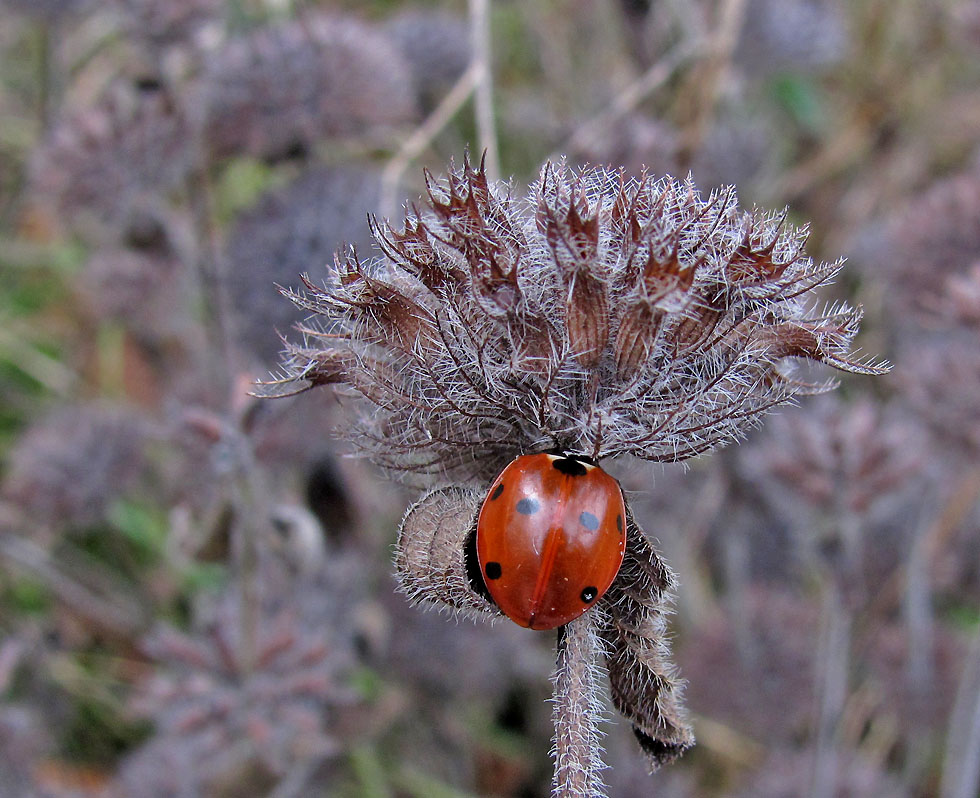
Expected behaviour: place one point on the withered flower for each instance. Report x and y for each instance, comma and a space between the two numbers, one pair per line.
280, 89
602, 315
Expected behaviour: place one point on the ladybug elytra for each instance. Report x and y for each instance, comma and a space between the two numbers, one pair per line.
550, 538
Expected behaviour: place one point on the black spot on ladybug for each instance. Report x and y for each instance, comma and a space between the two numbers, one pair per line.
473, 573
493, 570
570, 466
528, 506
619, 523
497, 491
589, 593
589, 521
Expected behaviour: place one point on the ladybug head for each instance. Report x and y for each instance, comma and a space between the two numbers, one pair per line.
570, 463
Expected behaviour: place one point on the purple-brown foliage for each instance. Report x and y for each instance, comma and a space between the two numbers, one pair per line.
232, 705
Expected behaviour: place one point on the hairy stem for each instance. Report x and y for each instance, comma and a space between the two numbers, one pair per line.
578, 755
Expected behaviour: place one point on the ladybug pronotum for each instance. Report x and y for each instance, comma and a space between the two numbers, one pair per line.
550, 538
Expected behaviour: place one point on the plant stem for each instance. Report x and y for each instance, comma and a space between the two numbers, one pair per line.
483, 96
578, 755
834, 665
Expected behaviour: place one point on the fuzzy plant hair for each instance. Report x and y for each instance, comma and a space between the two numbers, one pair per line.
602, 315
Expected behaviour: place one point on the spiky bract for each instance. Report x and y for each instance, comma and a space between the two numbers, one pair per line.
601, 314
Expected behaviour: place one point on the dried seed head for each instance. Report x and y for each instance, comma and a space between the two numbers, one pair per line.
942, 390
48, 11
68, 468
283, 88
799, 35
109, 168
144, 289
436, 45
289, 230
174, 22
836, 456
601, 314
925, 246
227, 705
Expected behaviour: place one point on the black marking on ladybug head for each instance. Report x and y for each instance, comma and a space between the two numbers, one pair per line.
528, 506
497, 491
570, 466
589, 521
474, 575
493, 570
589, 593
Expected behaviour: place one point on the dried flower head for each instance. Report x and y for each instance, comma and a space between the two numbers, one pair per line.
110, 168
173, 22
799, 35
601, 315
837, 458
287, 230
942, 390
436, 44
961, 301
283, 88
143, 288
927, 245
48, 11
68, 468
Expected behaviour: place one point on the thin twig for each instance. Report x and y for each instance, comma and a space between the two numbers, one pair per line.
834, 665
721, 48
213, 281
415, 144
480, 41
961, 768
591, 131
476, 81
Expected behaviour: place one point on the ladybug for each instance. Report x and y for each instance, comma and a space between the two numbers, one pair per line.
550, 538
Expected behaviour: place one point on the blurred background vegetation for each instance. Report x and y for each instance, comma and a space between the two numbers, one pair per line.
195, 589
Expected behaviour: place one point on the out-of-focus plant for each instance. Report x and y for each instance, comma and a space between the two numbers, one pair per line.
233, 708
834, 474
279, 90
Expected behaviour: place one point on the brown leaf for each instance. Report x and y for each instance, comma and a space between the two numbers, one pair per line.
430, 558
645, 688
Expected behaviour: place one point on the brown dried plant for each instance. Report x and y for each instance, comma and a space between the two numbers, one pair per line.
600, 314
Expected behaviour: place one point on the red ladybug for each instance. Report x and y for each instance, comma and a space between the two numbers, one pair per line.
550, 538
